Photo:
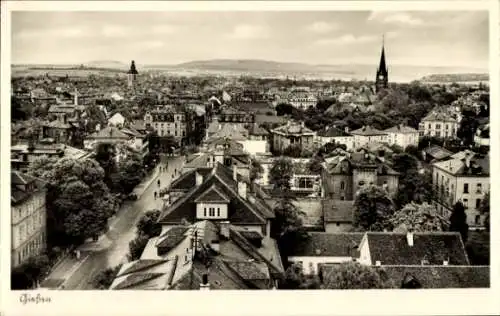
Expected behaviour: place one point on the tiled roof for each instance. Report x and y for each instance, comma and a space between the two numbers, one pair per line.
440, 116
171, 238
337, 211
479, 166
146, 275
109, 132
320, 244
272, 119
292, 129
187, 181
212, 195
402, 129
435, 247
368, 131
438, 152
440, 276
333, 132
19, 181
250, 270
257, 130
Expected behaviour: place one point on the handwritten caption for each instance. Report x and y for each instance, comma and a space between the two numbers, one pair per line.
34, 299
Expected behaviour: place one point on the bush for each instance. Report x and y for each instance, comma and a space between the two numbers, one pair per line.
104, 279
28, 274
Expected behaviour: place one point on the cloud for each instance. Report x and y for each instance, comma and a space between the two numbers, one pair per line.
164, 29
346, 39
247, 31
321, 27
401, 18
64, 32
116, 31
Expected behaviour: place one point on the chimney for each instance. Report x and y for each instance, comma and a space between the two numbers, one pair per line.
302, 124
235, 173
204, 286
242, 189
468, 158
409, 238
346, 129
199, 178
224, 229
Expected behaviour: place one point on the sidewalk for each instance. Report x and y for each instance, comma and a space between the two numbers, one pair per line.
142, 187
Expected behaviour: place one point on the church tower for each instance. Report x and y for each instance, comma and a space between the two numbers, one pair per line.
382, 79
132, 75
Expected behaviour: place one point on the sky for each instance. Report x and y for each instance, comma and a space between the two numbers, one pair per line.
422, 38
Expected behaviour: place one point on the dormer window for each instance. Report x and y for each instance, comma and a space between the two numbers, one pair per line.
212, 204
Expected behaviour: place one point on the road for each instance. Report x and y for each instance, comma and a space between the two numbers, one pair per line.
112, 248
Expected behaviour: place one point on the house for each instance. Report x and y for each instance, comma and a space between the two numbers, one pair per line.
412, 249
368, 134
464, 177
117, 120
107, 135
334, 134
345, 175
439, 124
230, 115
168, 121
320, 248
232, 131
402, 136
482, 137
435, 153
292, 134
204, 256
218, 194
28, 226
338, 215
304, 181
302, 100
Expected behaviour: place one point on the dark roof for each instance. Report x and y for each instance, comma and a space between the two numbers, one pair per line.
338, 211
171, 238
442, 276
240, 211
435, 247
333, 132
320, 244
249, 270
212, 195
23, 186
368, 131
187, 180
438, 152
272, 119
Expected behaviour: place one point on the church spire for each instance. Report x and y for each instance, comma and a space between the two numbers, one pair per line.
381, 81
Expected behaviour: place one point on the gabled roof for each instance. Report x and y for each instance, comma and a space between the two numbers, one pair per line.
171, 238
241, 211
319, 244
438, 152
368, 131
109, 132
257, 130
23, 186
145, 275
479, 166
292, 129
187, 180
401, 129
435, 247
212, 195
440, 116
333, 132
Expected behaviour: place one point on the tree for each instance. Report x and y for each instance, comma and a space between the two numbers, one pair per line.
148, 224
418, 218
105, 156
42, 166
281, 173
484, 209
168, 144
104, 279
458, 221
78, 201
296, 280
136, 247
478, 248
352, 275
256, 170
28, 274
372, 209
288, 217
413, 185
129, 173
315, 165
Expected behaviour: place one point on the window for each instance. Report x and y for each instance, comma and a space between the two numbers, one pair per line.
466, 188
361, 183
342, 185
430, 126
478, 203
438, 126
176, 133
438, 134
211, 211
446, 126
205, 212
466, 203
218, 212
479, 188
476, 219
338, 224
342, 198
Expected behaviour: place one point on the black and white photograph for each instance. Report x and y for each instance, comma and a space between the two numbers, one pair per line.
227, 149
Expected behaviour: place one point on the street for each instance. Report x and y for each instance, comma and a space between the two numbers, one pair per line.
112, 248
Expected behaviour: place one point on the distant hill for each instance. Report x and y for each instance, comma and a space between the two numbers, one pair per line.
462, 77
106, 64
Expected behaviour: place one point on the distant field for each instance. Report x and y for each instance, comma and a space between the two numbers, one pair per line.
20, 71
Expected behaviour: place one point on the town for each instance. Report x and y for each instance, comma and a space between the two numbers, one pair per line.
139, 178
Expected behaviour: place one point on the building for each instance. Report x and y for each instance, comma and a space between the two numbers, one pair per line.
402, 136
333, 134
382, 78
325, 248
482, 137
292, 135
205, 255
344, 175
367, 134
338, 215
117, 120
168, 122
302, 100
132, 75
464, 177
412, 249
439, 124
304, 181
230, 115
216, 193
28, 217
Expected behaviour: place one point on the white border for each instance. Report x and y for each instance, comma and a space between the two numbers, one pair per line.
434, 302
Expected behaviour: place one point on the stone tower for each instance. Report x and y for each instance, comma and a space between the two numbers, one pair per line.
132, 75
